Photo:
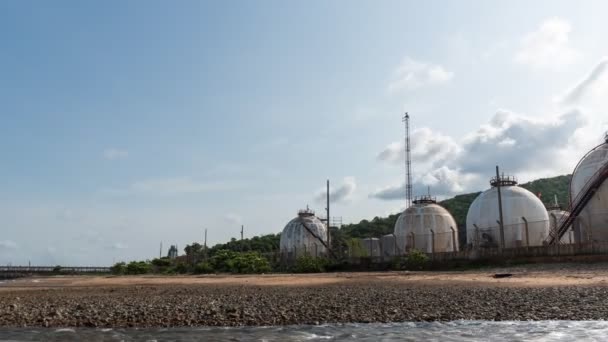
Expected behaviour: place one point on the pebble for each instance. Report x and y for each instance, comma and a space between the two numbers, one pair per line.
214, 305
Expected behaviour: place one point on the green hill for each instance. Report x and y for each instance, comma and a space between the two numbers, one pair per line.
459, 206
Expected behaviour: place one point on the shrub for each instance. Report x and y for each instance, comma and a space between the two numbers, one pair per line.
162, 262
223, 260
118, 268
309, 264
138, 267
182, 268
57, 269
203, 267
233, 262
250, 262
416, 260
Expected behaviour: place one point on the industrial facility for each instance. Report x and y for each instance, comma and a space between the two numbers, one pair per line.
426, 226
304, 235
506, 216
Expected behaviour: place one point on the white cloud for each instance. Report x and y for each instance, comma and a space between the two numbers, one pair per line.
8, 245
412, 74
119, 245
518, 143
233, 219
588, 84
342, 193
427, 147
115, 154
548, 46
390, 192
441, 182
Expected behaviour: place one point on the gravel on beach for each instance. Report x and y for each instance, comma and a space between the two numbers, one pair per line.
238, 305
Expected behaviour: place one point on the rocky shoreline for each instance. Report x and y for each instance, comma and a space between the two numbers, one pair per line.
232, 305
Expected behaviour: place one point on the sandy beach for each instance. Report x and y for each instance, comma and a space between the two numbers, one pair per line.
533, 292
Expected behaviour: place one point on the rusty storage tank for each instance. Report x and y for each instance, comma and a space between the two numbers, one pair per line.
304, 235
518, 205
426, 226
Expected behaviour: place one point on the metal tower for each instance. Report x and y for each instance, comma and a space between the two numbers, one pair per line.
408, 162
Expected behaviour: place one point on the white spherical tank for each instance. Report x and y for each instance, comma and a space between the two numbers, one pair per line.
304, 235
426, 226
518, 205
592, 223
556, 215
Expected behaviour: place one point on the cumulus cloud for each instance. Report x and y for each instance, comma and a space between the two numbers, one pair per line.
427, 147
342, 193
115, 153
548, 46
390, 192
412, 74
442, 182
588, 84
8, 245
516, 142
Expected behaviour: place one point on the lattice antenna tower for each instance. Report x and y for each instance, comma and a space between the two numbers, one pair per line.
408, 162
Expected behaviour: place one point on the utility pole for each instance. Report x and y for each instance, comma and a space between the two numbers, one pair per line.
160, 253
408, 162
205, 244
501, 223
242, 229
328, 217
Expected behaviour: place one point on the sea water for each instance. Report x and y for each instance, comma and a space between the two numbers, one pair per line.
431, 331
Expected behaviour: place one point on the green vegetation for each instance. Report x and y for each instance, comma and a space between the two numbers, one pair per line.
416, 260
309, 264
138, 267
119, 268
223, 261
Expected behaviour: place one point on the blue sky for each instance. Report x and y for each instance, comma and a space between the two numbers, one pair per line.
129, 123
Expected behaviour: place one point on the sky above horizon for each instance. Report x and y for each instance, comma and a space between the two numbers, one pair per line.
128, 123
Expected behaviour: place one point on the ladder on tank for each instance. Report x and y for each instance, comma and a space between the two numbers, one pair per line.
578, 204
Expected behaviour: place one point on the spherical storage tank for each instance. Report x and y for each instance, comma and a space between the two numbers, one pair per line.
304, 235
426, 226
592, 223
518, 205
556, 215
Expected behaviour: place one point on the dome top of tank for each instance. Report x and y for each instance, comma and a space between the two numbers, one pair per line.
306, 212
503, 180
427, 199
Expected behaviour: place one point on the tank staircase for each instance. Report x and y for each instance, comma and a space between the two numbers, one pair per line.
578, 204
323, 242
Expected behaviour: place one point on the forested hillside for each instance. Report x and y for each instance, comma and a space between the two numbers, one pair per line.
459, 205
